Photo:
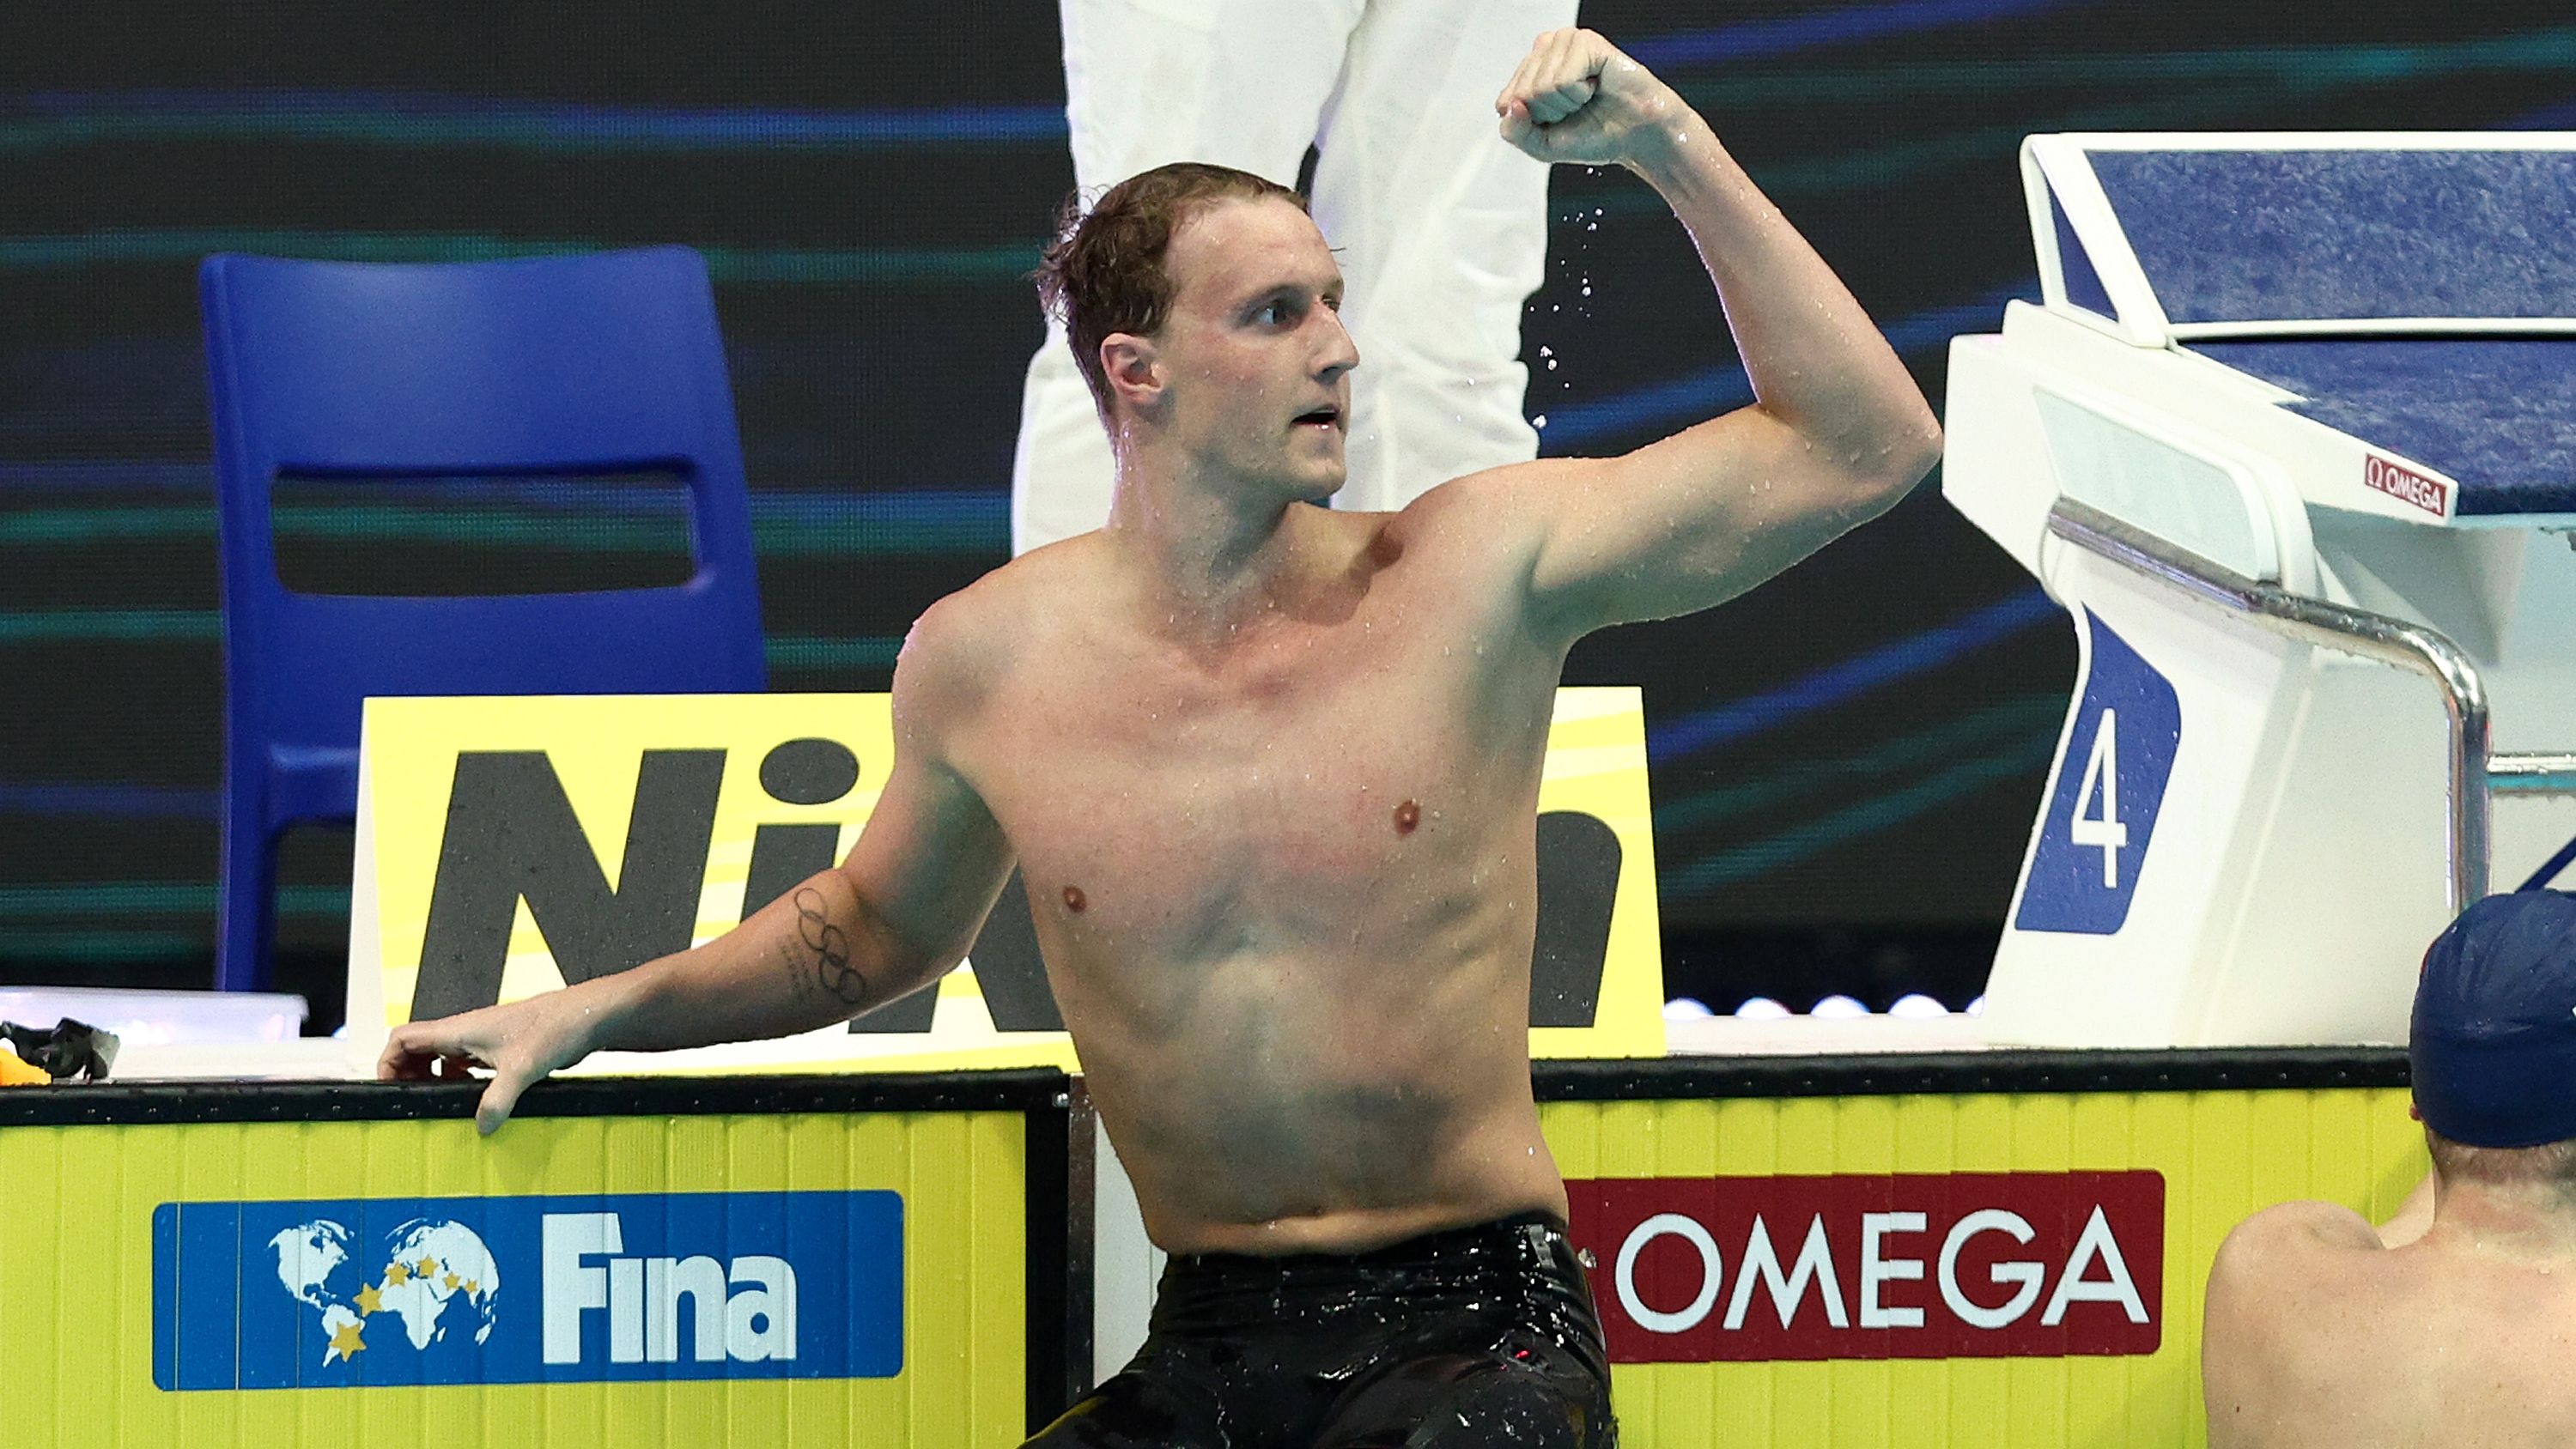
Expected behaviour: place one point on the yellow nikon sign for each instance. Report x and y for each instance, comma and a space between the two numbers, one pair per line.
507, 846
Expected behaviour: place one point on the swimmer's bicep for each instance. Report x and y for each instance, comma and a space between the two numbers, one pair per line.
931, 858
1690, 521
928, 865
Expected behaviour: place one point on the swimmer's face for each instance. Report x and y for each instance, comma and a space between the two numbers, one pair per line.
1253, 363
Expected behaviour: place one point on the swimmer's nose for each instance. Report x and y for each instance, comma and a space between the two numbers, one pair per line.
1340, 355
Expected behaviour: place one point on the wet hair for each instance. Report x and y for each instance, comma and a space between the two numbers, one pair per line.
2551, 1164
1104, 271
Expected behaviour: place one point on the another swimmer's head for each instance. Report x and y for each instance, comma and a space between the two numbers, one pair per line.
1203, 299
2493, 1042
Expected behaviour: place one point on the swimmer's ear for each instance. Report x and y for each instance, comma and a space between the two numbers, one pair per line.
1133, 368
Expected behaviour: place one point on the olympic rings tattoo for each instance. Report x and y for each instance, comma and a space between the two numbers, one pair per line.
831, 948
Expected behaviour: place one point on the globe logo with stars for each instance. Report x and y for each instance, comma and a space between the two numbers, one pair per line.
431, 1291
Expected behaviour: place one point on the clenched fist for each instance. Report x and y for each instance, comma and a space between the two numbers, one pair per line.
1576, 98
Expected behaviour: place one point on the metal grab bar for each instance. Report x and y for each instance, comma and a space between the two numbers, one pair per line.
2400, 642
2532, 774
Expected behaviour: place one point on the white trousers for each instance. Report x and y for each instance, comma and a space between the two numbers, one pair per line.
1441, 226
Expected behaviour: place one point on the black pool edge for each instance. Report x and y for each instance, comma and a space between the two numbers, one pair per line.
191, 1103
1042, 1089
1954, 1073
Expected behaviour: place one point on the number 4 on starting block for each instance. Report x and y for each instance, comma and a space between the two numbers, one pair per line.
2102, 812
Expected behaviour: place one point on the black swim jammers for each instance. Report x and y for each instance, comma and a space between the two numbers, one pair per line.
1480, 1336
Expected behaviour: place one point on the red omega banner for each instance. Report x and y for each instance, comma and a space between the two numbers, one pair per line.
1865, 1266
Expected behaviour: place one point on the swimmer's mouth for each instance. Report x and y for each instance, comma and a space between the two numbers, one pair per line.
1321, 417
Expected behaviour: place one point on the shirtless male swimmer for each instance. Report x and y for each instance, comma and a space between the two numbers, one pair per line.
1271, 771
2454, 1324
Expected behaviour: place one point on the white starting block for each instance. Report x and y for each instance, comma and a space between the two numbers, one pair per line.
2292, 436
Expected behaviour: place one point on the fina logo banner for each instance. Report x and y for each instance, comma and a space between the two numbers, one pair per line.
1911, 1265
2109, 787
357, 1292
507, 846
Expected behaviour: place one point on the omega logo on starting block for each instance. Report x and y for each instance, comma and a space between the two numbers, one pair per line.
2404, 484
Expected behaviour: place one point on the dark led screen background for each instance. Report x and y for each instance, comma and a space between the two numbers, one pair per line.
1845, 763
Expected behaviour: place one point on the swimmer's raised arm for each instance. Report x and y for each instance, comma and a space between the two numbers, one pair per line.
894, 916
1839, 431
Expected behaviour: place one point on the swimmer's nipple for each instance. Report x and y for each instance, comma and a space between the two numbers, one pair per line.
1074, 900
1407, 816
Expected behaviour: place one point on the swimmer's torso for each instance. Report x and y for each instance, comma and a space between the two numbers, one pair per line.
2433, 1344
1285, 884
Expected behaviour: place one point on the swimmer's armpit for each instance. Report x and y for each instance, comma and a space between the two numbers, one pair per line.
821, 952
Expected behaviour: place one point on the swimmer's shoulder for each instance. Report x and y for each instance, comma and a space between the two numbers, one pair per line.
1475, 518
2310, 1225
952, 654
2293, 1238
2294, 1253
1492, 509
980, 631
1475, 497
2279, 1277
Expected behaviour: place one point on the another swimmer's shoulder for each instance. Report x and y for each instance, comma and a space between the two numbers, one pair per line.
2278, 1277
2288, 1241
2327, 1224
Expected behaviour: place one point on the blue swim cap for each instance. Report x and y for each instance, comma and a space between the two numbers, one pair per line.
2494, 1038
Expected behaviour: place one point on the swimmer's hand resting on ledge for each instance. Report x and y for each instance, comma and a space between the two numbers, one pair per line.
520, 1043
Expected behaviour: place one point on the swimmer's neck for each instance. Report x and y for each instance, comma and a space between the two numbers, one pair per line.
1211, 553
2523, 1220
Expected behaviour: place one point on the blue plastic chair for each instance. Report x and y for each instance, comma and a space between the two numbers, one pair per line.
356, 371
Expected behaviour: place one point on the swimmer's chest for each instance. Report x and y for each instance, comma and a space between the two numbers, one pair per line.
1323, 762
